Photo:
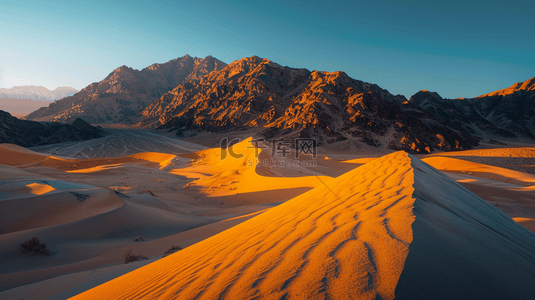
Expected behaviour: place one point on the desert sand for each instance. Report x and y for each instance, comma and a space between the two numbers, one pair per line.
387, 229
357, 228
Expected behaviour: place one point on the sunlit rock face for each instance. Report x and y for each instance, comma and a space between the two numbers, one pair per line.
121, 96
255, 92
508, 113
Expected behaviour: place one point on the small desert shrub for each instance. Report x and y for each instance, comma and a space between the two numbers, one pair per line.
129, 256
34, 246
172, 250
139, 239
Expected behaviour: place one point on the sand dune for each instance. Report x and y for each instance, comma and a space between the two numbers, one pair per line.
393, 228
120, 142
481, 170
519, 158
14, 155
89, 211
221, 173
510, 191
496, 152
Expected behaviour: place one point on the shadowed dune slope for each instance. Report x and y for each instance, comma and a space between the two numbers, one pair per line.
392, 228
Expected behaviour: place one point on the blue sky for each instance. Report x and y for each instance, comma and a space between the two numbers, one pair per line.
456, 48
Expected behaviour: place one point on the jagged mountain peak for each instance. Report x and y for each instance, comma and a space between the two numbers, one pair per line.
248, 63
329, 76
255, 69
425, 94
122, 69
125, 92
179, 60
528, 85
330, 106
506, 113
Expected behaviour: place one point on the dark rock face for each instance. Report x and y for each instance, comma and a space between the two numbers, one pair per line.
255, 92
121, 96
30, 133
508, 113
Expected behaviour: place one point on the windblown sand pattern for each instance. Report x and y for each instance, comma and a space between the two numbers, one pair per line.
393, 228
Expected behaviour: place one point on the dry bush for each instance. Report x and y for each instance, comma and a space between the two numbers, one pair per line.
172, 250
34, 246
129, 256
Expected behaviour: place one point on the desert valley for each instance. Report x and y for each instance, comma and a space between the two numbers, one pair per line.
198, 179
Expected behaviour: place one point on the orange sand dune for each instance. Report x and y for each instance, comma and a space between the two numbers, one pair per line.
16, 156
393, 228
221, 173
359, 160
480, 170
293, 244
508, 190
71, 205
524, 152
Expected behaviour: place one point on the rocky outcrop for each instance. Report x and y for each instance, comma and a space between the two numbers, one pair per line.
29, 133
281, 101
507, 113
39, 93
121, 96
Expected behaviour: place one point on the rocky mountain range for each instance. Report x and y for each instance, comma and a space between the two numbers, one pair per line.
125, 92
283, 102
507, 113
38, 93
29, 133
193, 94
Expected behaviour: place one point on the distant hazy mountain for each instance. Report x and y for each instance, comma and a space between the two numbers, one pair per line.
21, 106
121, 96
39, 93
30, 133
508, 113
257, 93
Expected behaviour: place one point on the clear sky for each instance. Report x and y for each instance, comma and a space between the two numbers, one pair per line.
456, 48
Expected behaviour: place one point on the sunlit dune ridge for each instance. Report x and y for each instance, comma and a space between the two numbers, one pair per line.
230, 171
524, 152
392, 228
458, 165
15, 155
